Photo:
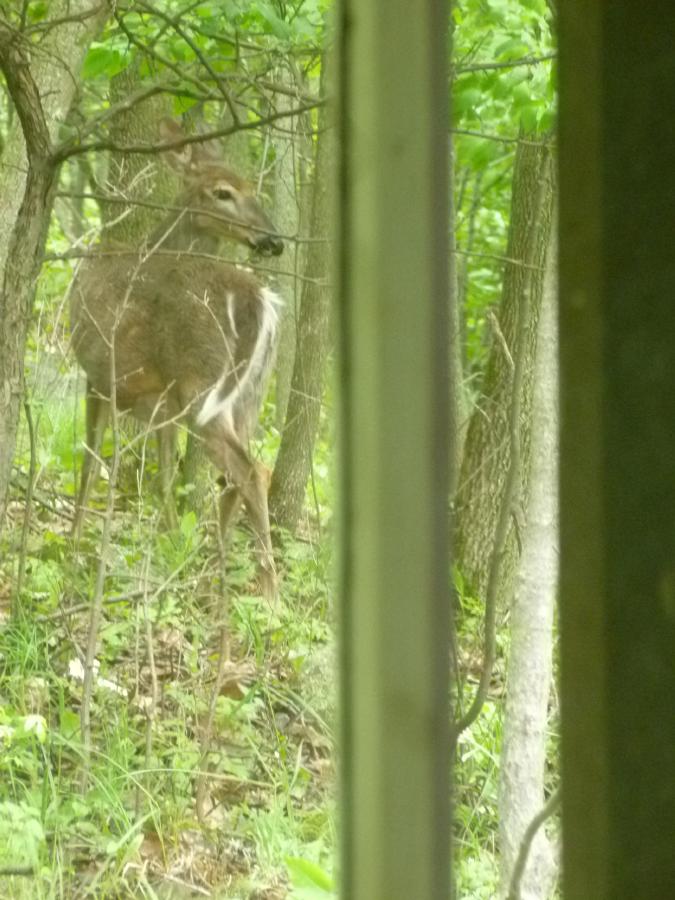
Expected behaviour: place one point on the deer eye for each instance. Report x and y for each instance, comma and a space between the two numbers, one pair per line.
223, 194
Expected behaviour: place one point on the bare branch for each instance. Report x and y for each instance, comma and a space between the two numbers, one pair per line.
508, 64
467, 132
48, 24
550, 807
68, 149
175, 23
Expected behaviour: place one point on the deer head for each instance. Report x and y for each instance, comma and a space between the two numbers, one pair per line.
218, 202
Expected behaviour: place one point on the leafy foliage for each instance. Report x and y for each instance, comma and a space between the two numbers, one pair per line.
267, 820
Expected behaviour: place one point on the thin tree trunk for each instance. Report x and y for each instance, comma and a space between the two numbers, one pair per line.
487, 448
55, 71
42, 94
463, 260
458, 412
196, 471
135, 178
294, 461
292, 209
523, 761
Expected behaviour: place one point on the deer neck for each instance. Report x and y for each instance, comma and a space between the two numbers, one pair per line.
177, 232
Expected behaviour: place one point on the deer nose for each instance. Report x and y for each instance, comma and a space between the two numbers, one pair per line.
270, 243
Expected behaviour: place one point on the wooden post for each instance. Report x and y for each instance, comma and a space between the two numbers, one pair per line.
394, 396
617, 181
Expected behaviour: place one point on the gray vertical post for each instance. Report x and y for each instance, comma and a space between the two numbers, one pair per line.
394, 394
617, 181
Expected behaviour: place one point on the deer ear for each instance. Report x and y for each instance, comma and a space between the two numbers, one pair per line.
182, 158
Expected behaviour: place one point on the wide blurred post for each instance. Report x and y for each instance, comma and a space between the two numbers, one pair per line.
617, 257
394, 448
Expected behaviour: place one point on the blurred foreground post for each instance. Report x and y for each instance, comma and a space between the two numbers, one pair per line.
617, 208
394, 450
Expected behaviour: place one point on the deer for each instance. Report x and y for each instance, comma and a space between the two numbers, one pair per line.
170, 334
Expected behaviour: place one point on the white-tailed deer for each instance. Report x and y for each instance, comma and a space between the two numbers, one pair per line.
168, 332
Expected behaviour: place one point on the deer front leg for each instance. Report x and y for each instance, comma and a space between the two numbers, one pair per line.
96, 418
246, 479
254, 492
166, 449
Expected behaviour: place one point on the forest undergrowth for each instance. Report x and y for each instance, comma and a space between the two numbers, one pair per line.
161, 808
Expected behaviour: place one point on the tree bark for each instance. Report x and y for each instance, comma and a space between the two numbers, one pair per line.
292, 209
136, 179
294, 461
42, 92
487, 448
458, 400
132, 176
196, 471
523, 760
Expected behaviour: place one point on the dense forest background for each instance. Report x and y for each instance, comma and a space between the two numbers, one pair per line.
165, 731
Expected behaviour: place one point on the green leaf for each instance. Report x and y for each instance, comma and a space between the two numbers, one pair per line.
511, 49
37, 11
103, 61
188, 523
529, 116
547, 120
522, 95
69, 723
466, 100
277, 26
480, 153
305, 873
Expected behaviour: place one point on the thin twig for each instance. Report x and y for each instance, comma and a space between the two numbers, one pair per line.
28, 505
467, 132
69, 148
501, 340
549, 808
224, 654
508, 64
151, 709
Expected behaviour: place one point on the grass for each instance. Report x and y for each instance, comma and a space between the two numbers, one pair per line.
254, 817
264, 822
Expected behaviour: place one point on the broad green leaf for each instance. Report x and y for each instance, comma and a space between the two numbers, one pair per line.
529, 116
305, 873
103, 61
69, 723
188, 523
467, 100
37, 11
512, 49
277, 26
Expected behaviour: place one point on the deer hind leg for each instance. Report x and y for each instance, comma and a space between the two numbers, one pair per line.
228, 507
247, 480
96, 416
157, 411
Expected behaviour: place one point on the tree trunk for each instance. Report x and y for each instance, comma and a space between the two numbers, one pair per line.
458, 400
523, 761
133, 176
196, 472
294, 461
487, 447
292, 209
55, 71
137, 179
42, 93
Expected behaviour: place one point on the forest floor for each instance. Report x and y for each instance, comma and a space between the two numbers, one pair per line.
207, 774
